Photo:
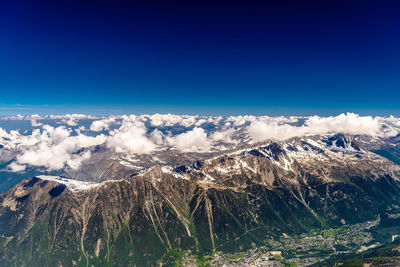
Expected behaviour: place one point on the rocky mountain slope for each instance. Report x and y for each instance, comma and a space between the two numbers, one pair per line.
227, 203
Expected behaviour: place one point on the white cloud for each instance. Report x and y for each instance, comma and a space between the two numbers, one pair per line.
15, 167
71, 116
223, 136
200, 122
101, 125
195, 139
34, 123
157, 137
215, 120
53, 148
75, 162
349, 123
131, 138
240, 120
163, 120
3, 133
72, 122
263, 130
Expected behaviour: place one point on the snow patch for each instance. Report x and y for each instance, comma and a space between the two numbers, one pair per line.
222, 170
169, 170
73, 185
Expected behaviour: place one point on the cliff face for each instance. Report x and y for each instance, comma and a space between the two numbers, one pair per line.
226, 203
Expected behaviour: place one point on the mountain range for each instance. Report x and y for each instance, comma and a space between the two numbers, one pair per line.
213, 210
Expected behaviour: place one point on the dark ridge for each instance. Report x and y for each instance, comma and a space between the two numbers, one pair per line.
57, 190
20, 199
79, 151
97, 149
181, 169
355, 146
389, 153
256, 153
308, 146
394, 139
275, 148
31, 182
342, 141
42, 184
134, 174
291, 148
197, 165
329, 140
41, 209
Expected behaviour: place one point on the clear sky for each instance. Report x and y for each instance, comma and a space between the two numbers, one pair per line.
273, 57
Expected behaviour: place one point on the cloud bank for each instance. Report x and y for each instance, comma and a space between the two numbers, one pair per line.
56, 142
349, 123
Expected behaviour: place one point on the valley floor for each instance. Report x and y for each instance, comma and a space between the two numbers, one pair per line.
316, 248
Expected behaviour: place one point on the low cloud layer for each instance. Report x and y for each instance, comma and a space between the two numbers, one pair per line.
56, 142
53, 148
350, 123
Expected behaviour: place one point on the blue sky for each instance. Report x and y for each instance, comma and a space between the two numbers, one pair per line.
282, 57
